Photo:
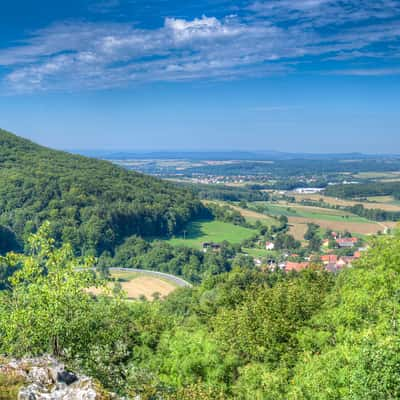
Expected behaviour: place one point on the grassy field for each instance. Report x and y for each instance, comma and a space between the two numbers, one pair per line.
260, 252
9, 386
198, 232
137, 285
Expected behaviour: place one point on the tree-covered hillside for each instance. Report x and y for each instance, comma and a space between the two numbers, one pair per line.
91, 204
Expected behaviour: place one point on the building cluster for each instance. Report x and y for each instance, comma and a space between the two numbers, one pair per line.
331, 262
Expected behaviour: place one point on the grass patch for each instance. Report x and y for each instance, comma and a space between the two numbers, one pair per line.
257, 252
10, 386
198, 232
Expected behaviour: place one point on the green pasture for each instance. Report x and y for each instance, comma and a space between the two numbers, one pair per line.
198, 232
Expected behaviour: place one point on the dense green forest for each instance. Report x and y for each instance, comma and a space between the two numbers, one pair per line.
227, 193
288, 168
244, 334
364, 190
91, 204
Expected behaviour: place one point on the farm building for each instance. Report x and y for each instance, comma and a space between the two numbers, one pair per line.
347, 242
211, 246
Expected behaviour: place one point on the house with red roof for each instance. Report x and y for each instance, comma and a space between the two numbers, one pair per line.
296, 266
329, 258
347, 241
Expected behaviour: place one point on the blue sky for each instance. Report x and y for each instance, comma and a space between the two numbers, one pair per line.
292, 75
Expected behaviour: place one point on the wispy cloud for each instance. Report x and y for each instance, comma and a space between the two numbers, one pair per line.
265, 37
368, 72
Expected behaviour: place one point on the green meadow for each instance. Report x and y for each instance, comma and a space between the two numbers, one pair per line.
198, 232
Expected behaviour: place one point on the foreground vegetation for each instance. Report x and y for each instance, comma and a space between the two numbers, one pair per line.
241, 335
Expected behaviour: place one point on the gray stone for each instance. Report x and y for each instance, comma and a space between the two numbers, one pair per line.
47, 379
66, 377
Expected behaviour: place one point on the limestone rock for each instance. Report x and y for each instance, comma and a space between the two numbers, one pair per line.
47, 379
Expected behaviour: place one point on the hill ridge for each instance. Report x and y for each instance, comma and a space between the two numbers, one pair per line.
91, 203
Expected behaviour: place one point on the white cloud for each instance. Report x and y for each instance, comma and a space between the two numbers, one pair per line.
268, 37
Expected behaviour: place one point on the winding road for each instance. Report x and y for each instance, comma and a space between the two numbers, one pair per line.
172, 278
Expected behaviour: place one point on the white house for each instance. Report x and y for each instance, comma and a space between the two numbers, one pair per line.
269, 246
308, 190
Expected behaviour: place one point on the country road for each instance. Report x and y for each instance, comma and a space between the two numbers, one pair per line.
172, 278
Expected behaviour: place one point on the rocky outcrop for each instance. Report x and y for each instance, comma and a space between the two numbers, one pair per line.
47, 379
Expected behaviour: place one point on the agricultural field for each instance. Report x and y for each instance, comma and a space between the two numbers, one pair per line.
392, 175
139, 285
249, 214
198, 232
309, 212
387, 203
253, 216
299, 216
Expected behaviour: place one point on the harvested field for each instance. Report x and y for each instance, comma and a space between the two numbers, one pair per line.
147, 286
363, 228
137, 285
298, 230
252, 215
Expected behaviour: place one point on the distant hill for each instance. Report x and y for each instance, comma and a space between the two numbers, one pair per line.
92, 204
266, 155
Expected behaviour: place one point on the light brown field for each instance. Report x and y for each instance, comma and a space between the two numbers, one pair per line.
299, 226
254, 215
250, 215
298, 230
379, 175
382, 202
147, 286
141, 285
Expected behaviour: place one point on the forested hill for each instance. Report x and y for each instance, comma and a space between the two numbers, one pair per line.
92, 204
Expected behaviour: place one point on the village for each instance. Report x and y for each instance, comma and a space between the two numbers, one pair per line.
332, 257
337, 252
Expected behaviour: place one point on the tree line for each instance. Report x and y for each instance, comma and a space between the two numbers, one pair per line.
364, 190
